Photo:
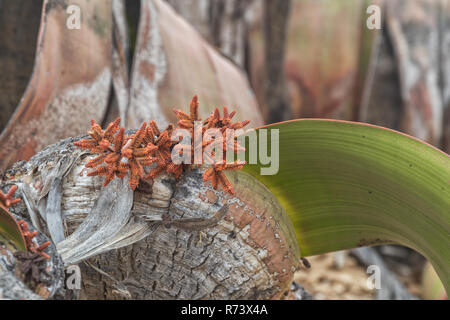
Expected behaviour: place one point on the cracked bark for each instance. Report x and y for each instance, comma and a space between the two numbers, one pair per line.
250, 254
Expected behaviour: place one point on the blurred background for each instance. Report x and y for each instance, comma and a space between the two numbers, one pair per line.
309, 58
272, 60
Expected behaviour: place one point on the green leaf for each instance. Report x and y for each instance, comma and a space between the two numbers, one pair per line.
10, 233
346, 185
432, 287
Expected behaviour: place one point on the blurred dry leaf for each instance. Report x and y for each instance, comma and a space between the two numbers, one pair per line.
432, 287
70, 81
75, 69
414, 30
321, 57
172, 63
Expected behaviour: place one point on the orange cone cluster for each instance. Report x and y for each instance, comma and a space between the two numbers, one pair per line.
118, 155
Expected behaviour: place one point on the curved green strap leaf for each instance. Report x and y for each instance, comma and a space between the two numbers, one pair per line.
10, 233
346, 185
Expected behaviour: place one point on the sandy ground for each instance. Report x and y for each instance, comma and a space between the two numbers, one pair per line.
338, 276
331, 278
